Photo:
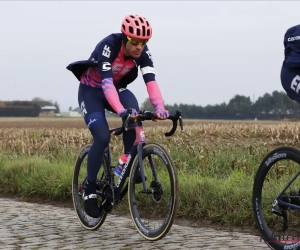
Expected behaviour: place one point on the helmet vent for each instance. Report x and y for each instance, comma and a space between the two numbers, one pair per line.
131, 30
137, 23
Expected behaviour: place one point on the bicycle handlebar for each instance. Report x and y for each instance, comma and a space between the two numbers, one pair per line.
148, 115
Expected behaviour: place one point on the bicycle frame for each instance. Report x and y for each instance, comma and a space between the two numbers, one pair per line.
279, 202
136, 150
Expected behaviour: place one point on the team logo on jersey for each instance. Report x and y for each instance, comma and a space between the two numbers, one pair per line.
106, 66
83, 109
296, 84
106, 51
290, 39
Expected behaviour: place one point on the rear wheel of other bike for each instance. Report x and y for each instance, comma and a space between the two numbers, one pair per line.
276, 198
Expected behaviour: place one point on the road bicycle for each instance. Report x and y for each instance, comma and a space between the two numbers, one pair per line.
148, 177
276, 198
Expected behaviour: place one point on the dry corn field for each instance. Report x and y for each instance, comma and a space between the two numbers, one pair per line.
31, 135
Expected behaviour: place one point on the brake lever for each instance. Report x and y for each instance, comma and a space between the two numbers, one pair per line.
181, 123
126, 119
126, 122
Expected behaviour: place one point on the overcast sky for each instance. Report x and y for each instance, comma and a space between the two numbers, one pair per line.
204, 52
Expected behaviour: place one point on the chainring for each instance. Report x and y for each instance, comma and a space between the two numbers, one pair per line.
107, 198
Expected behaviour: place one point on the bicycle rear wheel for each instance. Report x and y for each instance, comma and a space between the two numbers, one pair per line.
153, 211
78, 185
276, 198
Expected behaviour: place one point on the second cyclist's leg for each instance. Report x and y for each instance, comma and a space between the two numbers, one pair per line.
91, 101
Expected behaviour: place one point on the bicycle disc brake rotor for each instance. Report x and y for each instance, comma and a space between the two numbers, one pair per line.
157, 191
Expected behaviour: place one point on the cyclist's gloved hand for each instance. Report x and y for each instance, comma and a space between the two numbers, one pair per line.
162, 114
134, 113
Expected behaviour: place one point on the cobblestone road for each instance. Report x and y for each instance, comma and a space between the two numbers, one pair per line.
37, 226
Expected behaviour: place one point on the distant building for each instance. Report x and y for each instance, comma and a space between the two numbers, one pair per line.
47, 111
72, 113
77, 113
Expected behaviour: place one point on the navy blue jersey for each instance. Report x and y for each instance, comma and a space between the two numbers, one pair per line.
107, 61
292, 47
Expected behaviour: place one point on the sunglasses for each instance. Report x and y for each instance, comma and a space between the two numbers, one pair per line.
136, 42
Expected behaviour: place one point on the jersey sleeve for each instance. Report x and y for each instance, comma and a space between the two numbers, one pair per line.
104, 53
148, 72
146, 66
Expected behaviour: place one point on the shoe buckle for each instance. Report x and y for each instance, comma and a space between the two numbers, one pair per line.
89, 196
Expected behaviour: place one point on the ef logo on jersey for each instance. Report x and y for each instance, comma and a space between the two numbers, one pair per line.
295, 84
106, 66
106, 51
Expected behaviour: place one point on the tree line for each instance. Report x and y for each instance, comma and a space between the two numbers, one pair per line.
274, 106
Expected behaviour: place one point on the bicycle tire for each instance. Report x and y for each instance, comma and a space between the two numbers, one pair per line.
154, 149
87, 222
281, 153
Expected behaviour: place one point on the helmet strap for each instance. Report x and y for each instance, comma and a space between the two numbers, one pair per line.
124, 40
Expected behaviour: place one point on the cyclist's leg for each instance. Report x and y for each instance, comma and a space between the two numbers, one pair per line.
91, 101
290, 81
132, 136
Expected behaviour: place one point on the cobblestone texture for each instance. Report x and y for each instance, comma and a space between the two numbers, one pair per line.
37, 226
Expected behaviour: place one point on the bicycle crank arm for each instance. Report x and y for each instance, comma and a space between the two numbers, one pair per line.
147, 191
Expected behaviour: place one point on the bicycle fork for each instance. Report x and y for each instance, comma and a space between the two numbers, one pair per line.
142, 171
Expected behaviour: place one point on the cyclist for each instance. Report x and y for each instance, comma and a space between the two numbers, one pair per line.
103, 80
290, 70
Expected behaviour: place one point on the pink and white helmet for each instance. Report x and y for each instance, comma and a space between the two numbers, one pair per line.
136, 26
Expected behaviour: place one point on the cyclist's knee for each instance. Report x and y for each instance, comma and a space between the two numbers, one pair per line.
98, 126
129, 100
101, 136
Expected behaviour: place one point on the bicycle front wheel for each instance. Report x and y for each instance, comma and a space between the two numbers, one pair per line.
153, 209
78, 189
276, 198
